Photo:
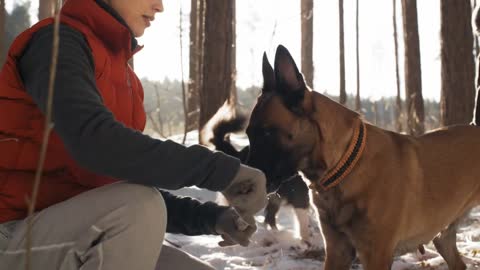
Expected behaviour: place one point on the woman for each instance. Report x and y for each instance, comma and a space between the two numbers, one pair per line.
84, 220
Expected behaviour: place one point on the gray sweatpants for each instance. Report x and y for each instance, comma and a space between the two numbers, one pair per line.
116, 227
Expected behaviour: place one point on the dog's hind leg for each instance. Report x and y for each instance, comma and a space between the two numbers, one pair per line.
446, 245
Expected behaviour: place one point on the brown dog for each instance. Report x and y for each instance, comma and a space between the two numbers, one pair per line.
378, 193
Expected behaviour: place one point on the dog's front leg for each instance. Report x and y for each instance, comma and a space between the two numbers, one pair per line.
340, 252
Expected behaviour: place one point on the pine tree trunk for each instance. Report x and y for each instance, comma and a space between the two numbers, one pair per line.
218, 83
45, 9
457, 62
398, 104
307, 40
358, 105
413, 73
196, 34
476, 31
343, 92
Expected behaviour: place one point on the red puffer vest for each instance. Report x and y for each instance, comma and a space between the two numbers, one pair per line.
21, 122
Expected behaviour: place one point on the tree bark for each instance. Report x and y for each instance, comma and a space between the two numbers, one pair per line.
457, 62
358, 105
413, 73
194, 82
476, 31
307, 40
341, 30
218, 82
45, 9
398, 104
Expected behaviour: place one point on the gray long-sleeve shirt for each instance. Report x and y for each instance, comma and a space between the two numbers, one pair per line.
105, 146
93, 136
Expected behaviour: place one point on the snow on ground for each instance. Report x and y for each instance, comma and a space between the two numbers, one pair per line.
284, 250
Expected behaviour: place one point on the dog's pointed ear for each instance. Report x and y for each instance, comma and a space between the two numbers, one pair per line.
268, 75
289, 81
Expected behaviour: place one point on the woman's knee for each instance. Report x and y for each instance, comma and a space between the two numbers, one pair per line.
145, 205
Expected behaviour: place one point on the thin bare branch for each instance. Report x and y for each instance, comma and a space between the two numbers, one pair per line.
46, 134
184, 95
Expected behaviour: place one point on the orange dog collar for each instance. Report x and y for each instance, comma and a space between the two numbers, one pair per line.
348, 161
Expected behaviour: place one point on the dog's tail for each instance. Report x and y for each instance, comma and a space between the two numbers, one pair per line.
221, 131
217, 130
